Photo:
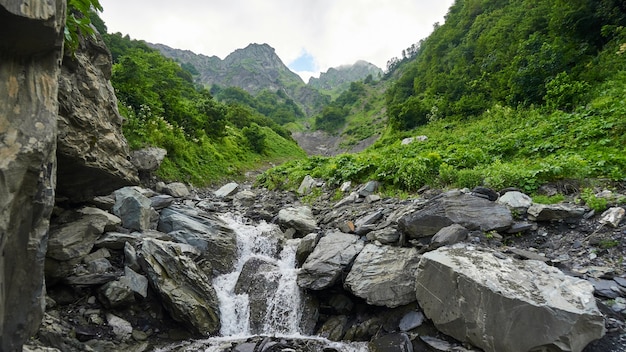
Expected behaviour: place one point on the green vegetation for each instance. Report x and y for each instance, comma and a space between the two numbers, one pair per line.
593, 202
78, 21
511, 53
543, 199
509, 94
503, 147
206, 140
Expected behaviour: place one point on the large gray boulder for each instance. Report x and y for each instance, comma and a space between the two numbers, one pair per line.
333, 253
92, 151
185, 290
76, 239
506, 304
148, 159
133, 208
216, 242
258, 279
31, 46
384, 275
299, 218
555, 212
455, 207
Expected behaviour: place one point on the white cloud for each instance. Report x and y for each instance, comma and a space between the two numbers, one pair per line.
334, 32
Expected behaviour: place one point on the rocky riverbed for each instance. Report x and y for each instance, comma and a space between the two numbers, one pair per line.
458, 270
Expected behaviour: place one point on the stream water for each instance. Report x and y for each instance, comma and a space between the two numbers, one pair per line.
283, 315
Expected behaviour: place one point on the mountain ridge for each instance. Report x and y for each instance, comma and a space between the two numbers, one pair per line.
257, 67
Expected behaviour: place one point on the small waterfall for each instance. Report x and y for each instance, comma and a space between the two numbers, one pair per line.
283, 311
283, 314
251, 241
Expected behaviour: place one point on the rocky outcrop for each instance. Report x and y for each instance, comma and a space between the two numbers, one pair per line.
455, 207
254, 68
298, 218
333, 253
504, 304
31, 40
92, 152
184, 288
384, 275
216, 242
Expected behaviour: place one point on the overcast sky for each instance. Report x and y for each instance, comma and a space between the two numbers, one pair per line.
309, 36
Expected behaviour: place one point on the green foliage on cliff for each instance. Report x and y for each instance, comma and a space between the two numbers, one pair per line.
78, 21
524, 52
509, 93
206, 140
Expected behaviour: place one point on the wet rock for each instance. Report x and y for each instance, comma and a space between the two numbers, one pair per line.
455, 207
391, 343
333, 253
306, 246
227, 190
476, 297
334, 328
206, 232
244, 199
258, 278
148, 159
299, 218
555, 212
133, 208
185, 290
384, 275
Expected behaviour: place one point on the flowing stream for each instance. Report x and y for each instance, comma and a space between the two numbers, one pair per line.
283, 314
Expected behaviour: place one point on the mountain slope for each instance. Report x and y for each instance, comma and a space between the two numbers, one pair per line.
254, 69
336, 80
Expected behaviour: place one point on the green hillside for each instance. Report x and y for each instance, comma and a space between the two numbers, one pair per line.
508, 93
206, 140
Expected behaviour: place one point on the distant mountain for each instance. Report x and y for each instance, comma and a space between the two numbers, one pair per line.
336, 80
254, 68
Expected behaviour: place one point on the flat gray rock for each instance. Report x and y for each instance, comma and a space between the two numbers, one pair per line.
506, 304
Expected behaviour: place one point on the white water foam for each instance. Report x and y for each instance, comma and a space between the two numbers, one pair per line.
283, 313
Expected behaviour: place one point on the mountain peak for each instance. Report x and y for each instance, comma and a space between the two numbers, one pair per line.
339, 78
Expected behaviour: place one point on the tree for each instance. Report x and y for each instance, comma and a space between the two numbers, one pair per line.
255, 136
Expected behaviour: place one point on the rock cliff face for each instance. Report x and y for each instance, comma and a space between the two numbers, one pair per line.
92, 153
338, 79
253, 69
31, 40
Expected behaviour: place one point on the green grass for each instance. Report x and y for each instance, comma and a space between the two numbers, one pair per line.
202, 161
503, 147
